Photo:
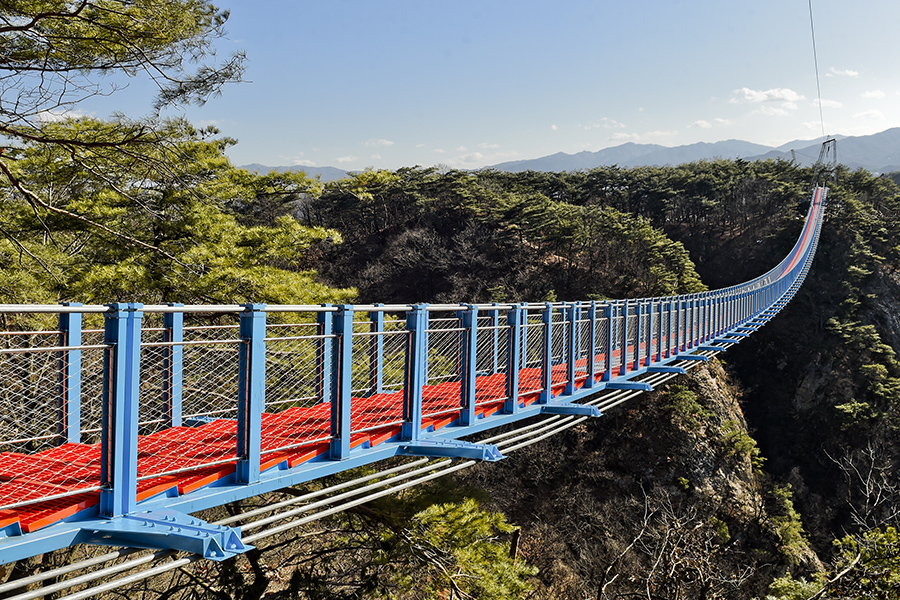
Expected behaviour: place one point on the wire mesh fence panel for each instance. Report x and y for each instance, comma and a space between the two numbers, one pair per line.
602, 353
617, 353
293, 373
210, 371
371, 411
493, 363
35, 462
29, 391
631, 344
533, 340
655, 338
488, 358
91, 385
154, 411
393, 366
559, 343
532, 358
582, 345
296, 424
644, 344
441, 394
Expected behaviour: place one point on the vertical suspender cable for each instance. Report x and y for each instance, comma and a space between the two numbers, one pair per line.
816, 62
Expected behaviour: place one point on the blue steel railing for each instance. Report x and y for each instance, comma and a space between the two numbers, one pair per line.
148, 372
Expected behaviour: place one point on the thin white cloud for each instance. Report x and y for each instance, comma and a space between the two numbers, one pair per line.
346, 159
771, 111
829, 103
461, 149
873, 95
784, 95
375, 157
701, 124
721, 122
379, 142
438, 150
49, 116
604, 123
486, 146
873, 114
832, 72
301, 162
469, 159
554, 127
624, 137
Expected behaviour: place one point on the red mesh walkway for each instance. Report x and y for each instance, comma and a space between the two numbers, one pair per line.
205, 454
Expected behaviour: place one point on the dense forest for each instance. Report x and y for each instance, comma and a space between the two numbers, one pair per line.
770, 473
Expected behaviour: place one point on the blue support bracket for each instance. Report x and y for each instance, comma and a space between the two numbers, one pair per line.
251, 399
567, 408
415, 377
711, 348
341, 383
666, 369
168, 529
736, 334
749, 329
642, 386
452, 449
121, 387
699, 357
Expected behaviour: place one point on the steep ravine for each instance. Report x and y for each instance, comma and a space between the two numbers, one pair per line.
663, 491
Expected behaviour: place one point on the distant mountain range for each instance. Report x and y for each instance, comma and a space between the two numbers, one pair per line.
879, 153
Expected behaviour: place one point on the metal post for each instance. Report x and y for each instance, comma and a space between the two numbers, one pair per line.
623, 354
570, 349
69, 407
342, 383
468, 363
610, 312
514, 360
121, 386
592, 347
251, 392
376, 352
324, 353
494, 315
639, 334
547, 354
416, 371
173, 365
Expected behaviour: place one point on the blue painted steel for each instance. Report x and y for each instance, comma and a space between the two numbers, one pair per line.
376, 351
69, 417
416, 371
571, 348
251, 399
514, 359
173, 362
670, 329
163, 529
546, 353
569, 408
121, 386
342, 383
468, 364
452, 449
325, 365
592, 347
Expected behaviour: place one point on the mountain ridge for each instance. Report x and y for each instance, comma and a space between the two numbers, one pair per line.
878, 152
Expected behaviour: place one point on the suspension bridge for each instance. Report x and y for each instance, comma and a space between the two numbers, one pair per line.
120, 421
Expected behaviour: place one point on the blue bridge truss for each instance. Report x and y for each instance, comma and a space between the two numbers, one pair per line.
119, 421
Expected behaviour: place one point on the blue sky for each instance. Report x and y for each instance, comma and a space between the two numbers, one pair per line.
469, 83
